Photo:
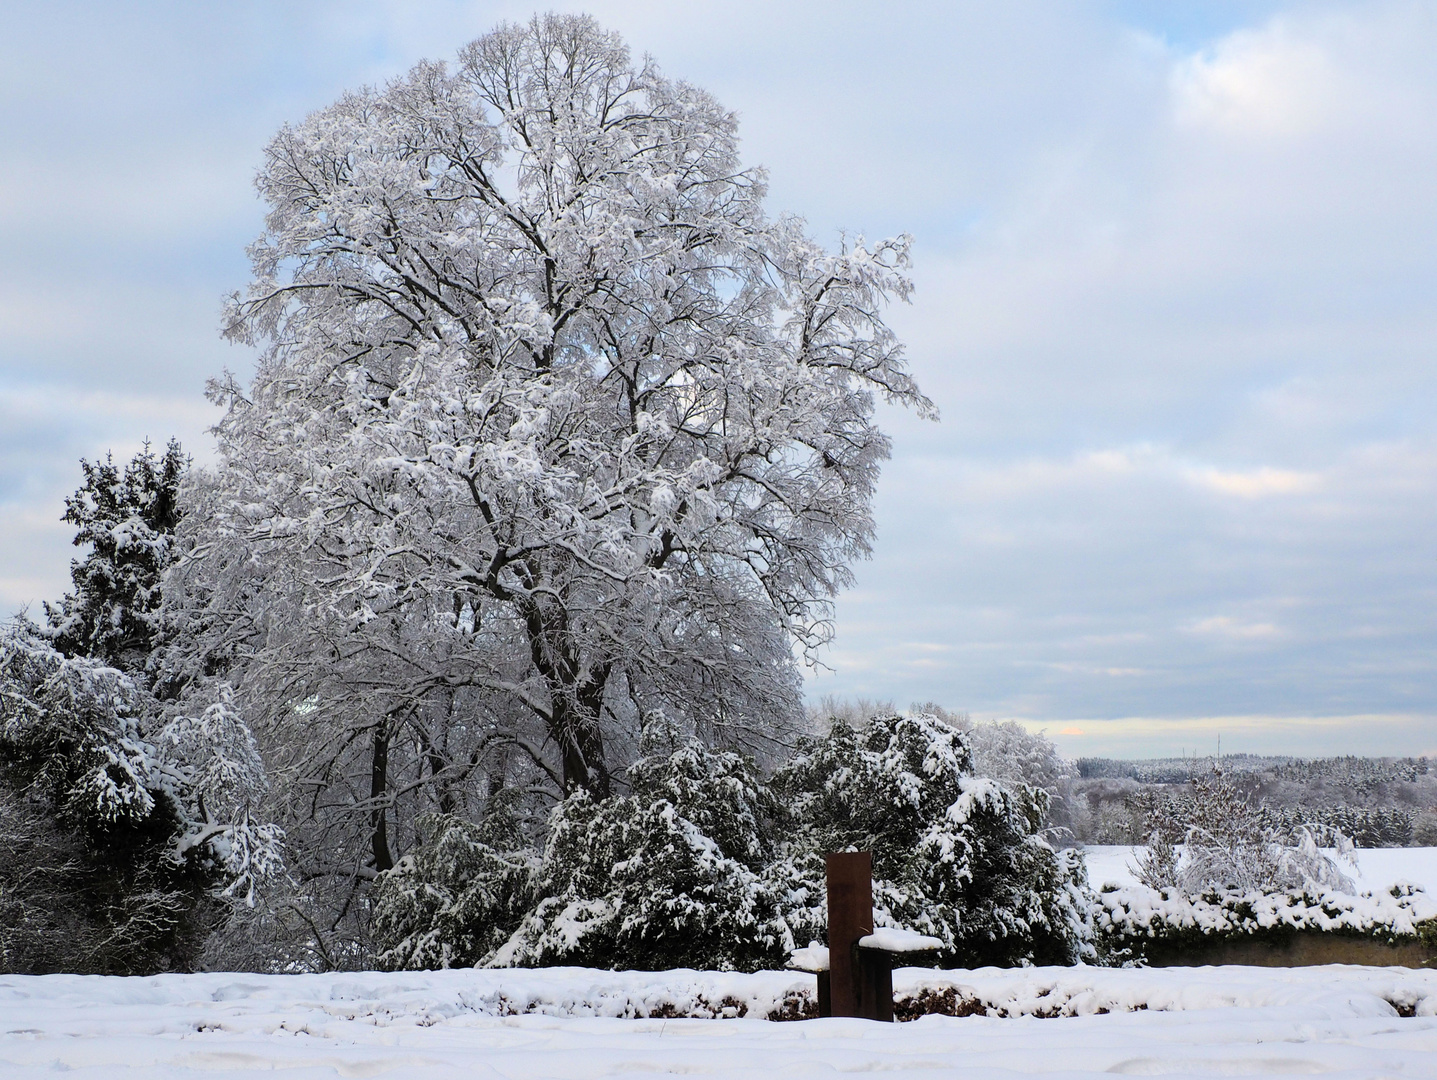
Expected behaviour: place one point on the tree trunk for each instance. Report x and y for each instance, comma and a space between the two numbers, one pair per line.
573, 720
581, 746
378, 786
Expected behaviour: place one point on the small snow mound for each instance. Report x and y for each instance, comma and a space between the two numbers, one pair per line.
813, 958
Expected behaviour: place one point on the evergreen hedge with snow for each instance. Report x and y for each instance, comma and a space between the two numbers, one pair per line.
704, 865
1164, 923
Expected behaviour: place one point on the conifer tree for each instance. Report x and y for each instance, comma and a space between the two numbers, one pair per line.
127, 518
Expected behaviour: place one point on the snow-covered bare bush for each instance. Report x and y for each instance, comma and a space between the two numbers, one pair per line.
154, 799
1216, 836
955, 855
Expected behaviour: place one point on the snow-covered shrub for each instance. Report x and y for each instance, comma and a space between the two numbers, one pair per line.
666, 876
154, 804
956, 856
456, 898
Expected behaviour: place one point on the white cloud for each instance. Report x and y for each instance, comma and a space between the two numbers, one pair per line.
1268, 82
1256, 483
1226, 626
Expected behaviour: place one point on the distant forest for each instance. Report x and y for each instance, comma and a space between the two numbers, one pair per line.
1378, 802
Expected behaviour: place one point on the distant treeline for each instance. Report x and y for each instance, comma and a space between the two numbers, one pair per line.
1378, 802
1348, 771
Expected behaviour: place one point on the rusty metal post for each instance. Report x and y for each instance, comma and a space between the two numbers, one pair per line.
874, 977
850, 917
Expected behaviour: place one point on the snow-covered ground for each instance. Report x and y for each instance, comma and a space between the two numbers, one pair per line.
1193, 1021
1376, 868
565, 1022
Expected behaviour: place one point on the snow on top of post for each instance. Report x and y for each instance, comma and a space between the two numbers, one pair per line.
892, 939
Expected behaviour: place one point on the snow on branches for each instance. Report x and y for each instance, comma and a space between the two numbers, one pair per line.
1214, 836
97, 747
550, 416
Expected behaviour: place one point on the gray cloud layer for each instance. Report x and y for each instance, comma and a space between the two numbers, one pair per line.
1176, 274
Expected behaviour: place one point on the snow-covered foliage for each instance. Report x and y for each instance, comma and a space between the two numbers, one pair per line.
956, 856
127, 519
668, 875
456, 898
161, 798
1213, 836
218, 779
1378, 802
1008, 752
1164, 919
704, 865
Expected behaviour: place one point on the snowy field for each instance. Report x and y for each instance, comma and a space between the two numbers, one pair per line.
1067, 1022
1376, 868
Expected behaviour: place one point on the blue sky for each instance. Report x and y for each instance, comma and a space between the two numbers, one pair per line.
1177, 302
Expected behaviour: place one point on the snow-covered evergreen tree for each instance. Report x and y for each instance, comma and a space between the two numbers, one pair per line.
669, 875
127, 518
458, 896
157, 799
955, 855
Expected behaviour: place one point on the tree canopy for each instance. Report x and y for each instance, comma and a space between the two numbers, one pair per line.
552, 430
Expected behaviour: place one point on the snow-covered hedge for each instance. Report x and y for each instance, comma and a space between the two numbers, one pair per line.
1165, 922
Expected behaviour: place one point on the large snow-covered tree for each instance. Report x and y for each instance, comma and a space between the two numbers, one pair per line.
552, 427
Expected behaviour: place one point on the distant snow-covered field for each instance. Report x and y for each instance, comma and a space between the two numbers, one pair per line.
581, 1023
1376, 868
